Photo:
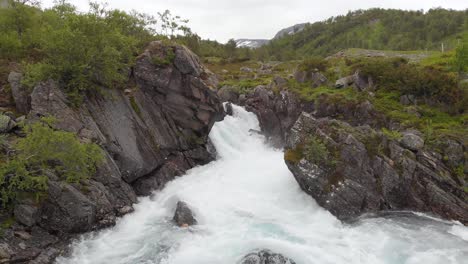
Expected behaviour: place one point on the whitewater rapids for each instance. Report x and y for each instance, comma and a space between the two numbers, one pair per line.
247, 199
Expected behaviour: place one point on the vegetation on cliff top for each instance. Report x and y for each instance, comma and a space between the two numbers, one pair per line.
28, 163
83, 51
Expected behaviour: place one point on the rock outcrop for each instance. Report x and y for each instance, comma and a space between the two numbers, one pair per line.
265, 257
357, 80
357, 170
314, 77
276, 112
151, 132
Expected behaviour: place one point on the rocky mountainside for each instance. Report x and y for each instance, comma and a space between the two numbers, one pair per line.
290, 30
151, 132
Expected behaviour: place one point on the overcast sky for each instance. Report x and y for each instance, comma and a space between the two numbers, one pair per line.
225, 19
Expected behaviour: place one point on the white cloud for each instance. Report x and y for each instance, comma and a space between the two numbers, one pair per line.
225, 19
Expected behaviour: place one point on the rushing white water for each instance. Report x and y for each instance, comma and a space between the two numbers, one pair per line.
247, 200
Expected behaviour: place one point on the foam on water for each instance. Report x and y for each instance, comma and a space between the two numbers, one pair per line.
247, 199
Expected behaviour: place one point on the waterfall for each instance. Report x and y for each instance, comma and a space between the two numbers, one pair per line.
246, 200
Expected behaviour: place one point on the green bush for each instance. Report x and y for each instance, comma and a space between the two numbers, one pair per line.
83, 51
461, 55
313, 63
166, 59
398, 75
317, 152
45, 149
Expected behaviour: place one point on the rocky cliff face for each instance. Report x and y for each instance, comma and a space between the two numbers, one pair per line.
359, 170
151, 132
276, 108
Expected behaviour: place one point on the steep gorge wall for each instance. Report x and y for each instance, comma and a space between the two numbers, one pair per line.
152, 131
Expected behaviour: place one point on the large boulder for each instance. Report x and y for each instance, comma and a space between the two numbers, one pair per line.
315, 77
228, 94
358, 80
354, 170
20, 93
67, 209
26, 214
265, 257
412, 141
6, 123
183, 216
344, 82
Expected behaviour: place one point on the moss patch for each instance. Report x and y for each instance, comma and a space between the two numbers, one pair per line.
294, 155
135, 106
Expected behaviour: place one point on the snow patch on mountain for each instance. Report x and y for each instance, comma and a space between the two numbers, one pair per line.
251, 43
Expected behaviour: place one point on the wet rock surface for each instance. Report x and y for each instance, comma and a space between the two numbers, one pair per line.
265, 257
183, 215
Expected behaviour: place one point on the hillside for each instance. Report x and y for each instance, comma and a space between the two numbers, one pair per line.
127, 139
381, 29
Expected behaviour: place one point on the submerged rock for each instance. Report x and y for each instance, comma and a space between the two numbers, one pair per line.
229, 110
265, 257
183, 216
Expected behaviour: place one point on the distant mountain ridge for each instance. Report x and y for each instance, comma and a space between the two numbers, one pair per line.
375, 29
290, 30
256, 43
251, 43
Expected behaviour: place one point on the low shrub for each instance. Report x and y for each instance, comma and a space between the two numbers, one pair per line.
392, 134
317, 152
46, 149
313, 63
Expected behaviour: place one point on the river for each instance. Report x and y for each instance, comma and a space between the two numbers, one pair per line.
247, 199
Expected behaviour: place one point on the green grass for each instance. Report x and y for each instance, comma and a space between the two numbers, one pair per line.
392, 134
439, 60
428, 119
135, 106
247, 85
422, 117
309, 94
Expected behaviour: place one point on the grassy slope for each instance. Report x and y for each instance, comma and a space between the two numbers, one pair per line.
434, 122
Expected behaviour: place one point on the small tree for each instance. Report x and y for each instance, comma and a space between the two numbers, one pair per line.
171, 25
461, 55
230, 48
22, 13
